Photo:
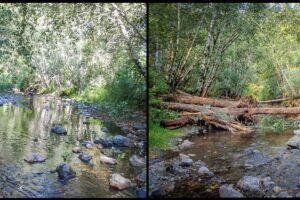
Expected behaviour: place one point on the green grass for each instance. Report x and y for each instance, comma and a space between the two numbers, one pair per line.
160, 137
275, 123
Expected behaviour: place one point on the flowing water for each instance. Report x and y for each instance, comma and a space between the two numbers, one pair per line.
223, 153
25, 128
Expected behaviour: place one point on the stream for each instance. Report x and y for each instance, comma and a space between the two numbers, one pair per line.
25, 127
230, 156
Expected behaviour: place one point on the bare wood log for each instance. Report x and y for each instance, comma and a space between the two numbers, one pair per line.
176, 123
201, 101
278, 100
233, 111
186, 118
274, 110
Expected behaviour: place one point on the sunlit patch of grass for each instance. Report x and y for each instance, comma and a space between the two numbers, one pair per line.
160, 137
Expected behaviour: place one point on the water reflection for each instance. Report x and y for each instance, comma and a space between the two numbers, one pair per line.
25, 128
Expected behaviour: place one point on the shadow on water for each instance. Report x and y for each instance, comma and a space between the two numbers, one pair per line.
25, 128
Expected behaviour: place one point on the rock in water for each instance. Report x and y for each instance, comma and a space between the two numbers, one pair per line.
119, 182
250, 185
65, 171
59, 130
85, 157
122, 141
227, 191
108, 160
137, 161
186, 161
186, 144
34, 158
203, 171
294, 142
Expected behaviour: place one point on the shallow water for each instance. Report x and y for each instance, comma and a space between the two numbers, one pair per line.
22, 123
221, 150
224, 152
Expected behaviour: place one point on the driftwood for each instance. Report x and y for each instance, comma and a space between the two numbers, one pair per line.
235, 112
176, 123
220, 113
278, 100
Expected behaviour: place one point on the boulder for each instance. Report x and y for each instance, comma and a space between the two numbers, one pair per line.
294, 142
65, 171
227, 191
122, 141
108, 160
250, 185
34, 158
59, 130
85, 157
119, 182
137, 161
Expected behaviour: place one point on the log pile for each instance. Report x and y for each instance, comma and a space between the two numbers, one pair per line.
220, 113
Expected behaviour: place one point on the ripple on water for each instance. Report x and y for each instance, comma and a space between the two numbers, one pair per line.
25, 129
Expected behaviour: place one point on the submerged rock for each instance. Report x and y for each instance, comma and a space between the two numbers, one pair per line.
65, 171
186, 144
137, 161
250, 185
227, 191
120, 140
85, 157
34, 158
59, 130
108, 160
119, 182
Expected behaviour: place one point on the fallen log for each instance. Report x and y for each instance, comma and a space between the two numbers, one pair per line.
176, 123
234, 112
182, 97
278, 100
186, 118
